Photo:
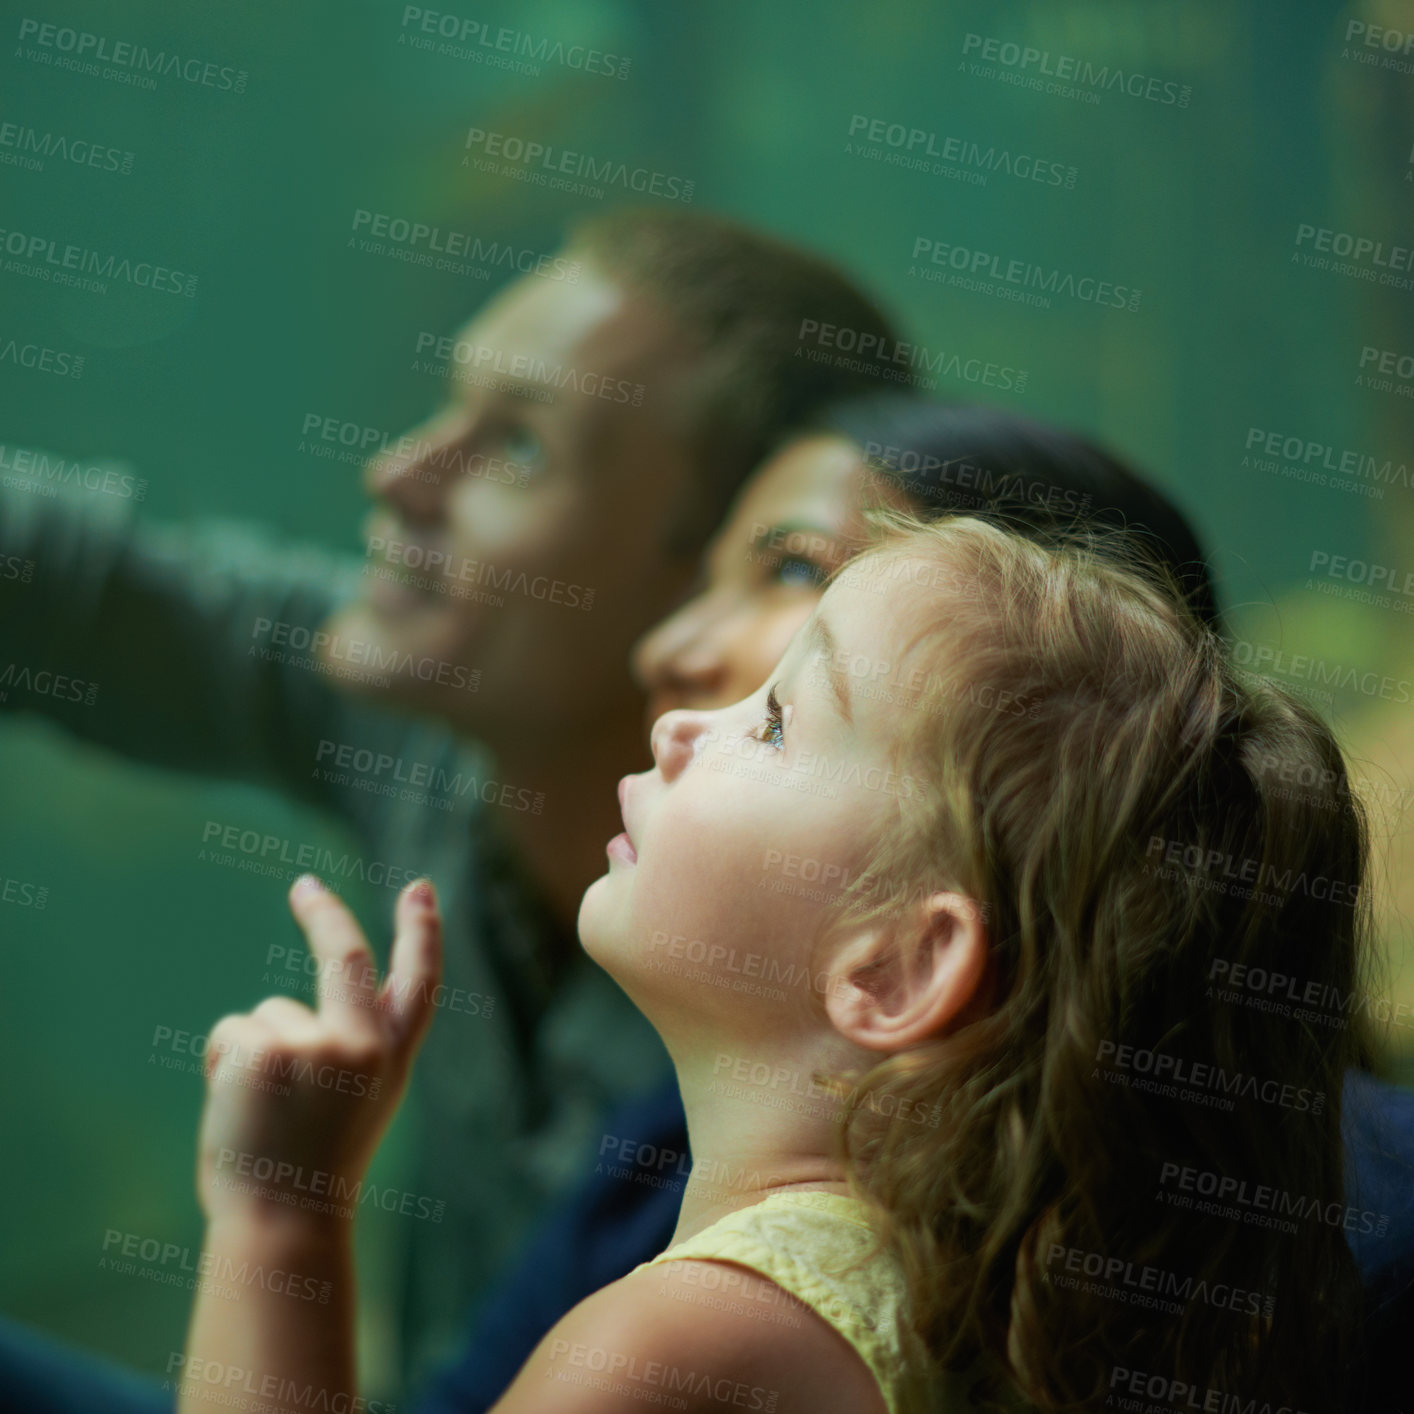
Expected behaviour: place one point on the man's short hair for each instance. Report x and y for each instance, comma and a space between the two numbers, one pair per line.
752, 306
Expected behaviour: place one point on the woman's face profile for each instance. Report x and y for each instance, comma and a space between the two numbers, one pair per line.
796, 521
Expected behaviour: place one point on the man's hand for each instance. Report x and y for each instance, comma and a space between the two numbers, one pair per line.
297, 1100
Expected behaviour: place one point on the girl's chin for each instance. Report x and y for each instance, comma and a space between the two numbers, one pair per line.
594, 923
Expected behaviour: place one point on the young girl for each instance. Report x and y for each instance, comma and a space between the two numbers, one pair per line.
942, 929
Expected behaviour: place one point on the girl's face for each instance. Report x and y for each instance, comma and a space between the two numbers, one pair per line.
704, 917
796, 521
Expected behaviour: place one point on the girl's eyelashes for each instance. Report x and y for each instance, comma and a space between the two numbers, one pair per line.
772, 730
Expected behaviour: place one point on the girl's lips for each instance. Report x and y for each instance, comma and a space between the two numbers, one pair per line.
621, 847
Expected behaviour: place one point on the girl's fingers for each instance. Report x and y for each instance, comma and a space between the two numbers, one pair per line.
289, 1018
348, 976
415, 968
237, 1036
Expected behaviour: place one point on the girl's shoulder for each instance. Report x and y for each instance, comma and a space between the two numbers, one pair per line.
693, 1334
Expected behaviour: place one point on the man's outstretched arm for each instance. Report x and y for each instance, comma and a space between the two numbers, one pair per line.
186, 647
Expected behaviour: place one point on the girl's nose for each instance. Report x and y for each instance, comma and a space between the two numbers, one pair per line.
675, 738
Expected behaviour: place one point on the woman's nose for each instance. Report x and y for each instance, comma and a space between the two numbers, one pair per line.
680, 660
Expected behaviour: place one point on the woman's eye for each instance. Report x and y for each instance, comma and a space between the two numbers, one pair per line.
772, 729
795, 570
523, 448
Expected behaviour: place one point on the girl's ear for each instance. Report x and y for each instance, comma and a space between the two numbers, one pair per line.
896, 985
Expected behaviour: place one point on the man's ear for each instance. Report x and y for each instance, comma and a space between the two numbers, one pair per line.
894, 985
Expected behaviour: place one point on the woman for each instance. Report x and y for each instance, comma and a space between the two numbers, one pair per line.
799, 518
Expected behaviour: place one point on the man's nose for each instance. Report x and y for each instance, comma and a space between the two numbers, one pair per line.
415, 472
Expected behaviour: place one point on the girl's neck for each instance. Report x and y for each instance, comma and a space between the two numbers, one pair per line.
701, 1209
744, 1150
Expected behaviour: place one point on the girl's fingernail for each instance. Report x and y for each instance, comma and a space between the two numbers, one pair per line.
308, 884
423, 892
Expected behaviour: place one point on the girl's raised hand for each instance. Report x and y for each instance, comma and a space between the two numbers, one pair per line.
297, 1099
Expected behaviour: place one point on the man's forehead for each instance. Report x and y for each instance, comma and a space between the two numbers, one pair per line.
590, 321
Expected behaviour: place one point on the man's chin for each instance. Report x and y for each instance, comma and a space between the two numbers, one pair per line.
401, 653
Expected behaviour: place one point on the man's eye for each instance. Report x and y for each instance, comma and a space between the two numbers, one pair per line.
771, 732
796, 570
523, 448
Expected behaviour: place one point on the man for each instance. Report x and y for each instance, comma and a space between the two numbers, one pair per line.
521, 541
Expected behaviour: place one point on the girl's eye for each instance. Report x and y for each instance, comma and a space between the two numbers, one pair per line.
772, 729
796, 570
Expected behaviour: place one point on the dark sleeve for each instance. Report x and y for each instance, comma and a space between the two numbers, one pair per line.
1378, 1125
159, 641
616, 1220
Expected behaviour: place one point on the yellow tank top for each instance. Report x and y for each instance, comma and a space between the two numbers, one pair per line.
821, 1248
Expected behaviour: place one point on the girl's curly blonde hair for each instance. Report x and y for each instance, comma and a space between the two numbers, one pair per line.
1137, 824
